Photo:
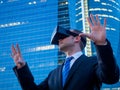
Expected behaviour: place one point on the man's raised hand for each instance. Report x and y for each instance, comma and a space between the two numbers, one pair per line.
98, 31
17, 57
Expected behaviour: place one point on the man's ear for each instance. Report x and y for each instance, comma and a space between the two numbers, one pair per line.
77, 39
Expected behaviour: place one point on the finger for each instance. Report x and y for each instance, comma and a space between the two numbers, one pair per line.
105, 22
13, 50
85, 35
18, 49
93, 20
89, 22
98, 20
15, 58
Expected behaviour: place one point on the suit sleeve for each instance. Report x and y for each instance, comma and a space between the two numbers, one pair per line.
107, 69
27, 81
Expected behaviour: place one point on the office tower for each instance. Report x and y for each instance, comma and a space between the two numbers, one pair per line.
67, 18
81, 9
110, 9
63, 20
63, 13
29, 23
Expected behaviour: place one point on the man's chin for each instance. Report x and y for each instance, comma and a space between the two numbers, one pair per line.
62, 49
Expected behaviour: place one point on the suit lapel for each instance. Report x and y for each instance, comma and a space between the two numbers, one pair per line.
60, 77
75, 66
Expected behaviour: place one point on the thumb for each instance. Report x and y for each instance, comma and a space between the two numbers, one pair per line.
85, 35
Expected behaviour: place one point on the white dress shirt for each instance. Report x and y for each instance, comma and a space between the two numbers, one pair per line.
76, 56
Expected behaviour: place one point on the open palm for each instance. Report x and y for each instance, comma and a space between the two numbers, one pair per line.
17, 57
98, 31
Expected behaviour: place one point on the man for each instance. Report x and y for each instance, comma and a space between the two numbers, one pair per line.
79, 73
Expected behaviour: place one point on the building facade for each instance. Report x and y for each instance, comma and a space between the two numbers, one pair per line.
29, 23
79, 10
109, 9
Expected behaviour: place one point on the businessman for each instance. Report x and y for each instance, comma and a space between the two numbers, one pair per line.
78, 72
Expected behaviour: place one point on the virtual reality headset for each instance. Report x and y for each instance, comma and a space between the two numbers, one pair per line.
61, 33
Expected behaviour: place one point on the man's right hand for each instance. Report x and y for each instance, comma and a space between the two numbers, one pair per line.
17, 57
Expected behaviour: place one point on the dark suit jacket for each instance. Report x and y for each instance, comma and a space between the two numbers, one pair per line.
87, 73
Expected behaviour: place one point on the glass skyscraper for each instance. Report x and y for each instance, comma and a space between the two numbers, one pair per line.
109, 9
29, 23
76, 15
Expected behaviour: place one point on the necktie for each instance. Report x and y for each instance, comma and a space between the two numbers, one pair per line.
66, 69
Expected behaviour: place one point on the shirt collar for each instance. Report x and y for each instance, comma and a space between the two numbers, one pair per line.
77, 55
